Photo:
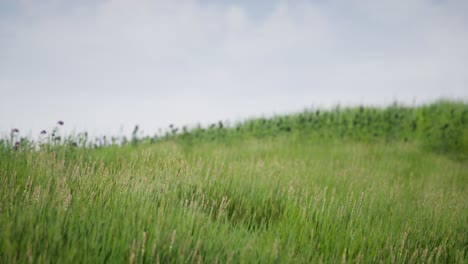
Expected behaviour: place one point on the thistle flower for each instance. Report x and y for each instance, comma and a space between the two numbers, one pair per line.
15, 130
43, 132
60, 123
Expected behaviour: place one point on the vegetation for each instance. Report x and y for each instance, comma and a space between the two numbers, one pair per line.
345, 185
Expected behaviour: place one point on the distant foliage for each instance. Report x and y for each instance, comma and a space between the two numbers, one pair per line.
441, 126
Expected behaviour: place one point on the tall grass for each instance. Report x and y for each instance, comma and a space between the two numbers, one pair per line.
227, 195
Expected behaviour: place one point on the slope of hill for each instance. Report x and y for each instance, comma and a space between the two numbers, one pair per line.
347, 185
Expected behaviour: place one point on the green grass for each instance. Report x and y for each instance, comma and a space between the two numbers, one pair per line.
286, 198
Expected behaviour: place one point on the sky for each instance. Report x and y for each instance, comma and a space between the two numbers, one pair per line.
105, 66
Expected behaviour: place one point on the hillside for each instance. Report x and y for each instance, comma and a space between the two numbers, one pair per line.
348, 185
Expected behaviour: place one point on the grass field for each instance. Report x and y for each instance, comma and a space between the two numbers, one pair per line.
303, 192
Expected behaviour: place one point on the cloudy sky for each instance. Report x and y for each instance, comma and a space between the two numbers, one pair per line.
104, 66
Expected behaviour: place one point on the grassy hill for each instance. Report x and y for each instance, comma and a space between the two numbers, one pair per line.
347, 185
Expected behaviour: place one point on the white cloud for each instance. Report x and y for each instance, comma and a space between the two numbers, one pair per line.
100, 65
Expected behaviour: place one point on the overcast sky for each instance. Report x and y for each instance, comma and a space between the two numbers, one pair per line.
106, 65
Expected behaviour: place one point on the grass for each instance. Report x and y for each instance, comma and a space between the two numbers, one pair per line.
218, 196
